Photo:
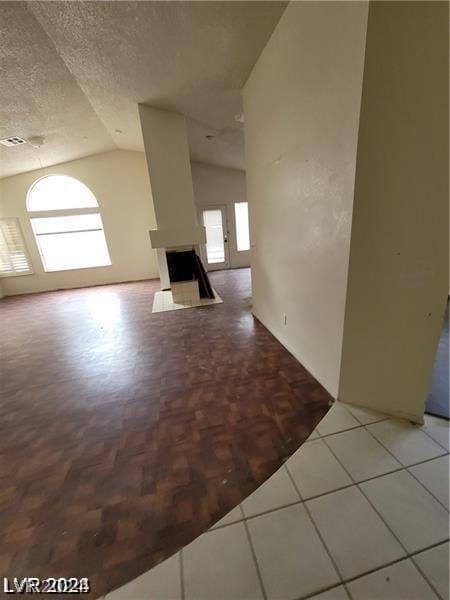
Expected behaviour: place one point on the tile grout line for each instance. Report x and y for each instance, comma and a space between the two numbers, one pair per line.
375, 570
364, 574
323, 591
424, 575
408, 554
255, 560
389, 418
359, 426
324, 435
182, 590
371, 504
396, 561
271, 510
333, 562
386, 418
343, 487
349, 594
402, 466
425, 487
406, 468
431, 437
444, 450
358, 420
420, 462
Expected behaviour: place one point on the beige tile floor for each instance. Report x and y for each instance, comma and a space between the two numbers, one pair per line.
359, 512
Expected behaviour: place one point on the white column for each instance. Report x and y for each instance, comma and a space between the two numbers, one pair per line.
169, 169
398, 270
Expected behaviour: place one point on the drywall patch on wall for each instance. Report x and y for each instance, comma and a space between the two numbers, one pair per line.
218, 186
301, 106
119, 180
398, 273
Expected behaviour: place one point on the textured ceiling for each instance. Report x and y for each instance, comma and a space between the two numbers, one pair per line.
74, 73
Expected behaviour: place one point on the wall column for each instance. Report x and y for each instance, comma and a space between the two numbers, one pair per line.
169, 169
398, 269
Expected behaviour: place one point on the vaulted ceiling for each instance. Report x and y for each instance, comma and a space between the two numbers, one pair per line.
74, 73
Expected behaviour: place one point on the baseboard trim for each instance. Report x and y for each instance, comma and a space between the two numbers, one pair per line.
398, 414
77, 287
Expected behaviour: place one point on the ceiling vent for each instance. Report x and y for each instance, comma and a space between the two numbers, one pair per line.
13, 141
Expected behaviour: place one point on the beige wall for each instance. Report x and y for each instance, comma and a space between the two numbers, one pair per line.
301, 106
217, 186
120, 183
119, 179
398, 274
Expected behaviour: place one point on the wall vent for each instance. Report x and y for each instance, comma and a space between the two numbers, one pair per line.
13, 141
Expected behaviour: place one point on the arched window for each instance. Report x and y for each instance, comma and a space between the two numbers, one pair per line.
67, 224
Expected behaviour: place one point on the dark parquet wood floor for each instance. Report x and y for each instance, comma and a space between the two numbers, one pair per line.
124, 435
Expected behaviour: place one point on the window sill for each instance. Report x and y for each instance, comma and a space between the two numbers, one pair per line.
6, 275
77, 268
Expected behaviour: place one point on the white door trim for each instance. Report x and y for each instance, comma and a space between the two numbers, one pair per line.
226, 236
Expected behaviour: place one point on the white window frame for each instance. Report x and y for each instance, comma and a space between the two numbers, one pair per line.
236, 226
13, 272
64, 212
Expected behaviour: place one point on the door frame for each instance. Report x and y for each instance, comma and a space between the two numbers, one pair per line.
226, 238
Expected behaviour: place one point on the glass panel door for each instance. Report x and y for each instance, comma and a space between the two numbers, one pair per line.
214, 220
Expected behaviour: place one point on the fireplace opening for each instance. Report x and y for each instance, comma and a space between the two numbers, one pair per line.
186, 266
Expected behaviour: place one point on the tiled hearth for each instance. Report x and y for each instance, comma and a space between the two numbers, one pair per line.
163, 302
359, 512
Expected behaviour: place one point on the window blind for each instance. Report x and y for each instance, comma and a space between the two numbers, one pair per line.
13, 254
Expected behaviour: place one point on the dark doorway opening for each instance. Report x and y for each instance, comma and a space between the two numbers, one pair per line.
438, 403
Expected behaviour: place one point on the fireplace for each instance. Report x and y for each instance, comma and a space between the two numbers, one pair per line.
178, 260
186, 266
